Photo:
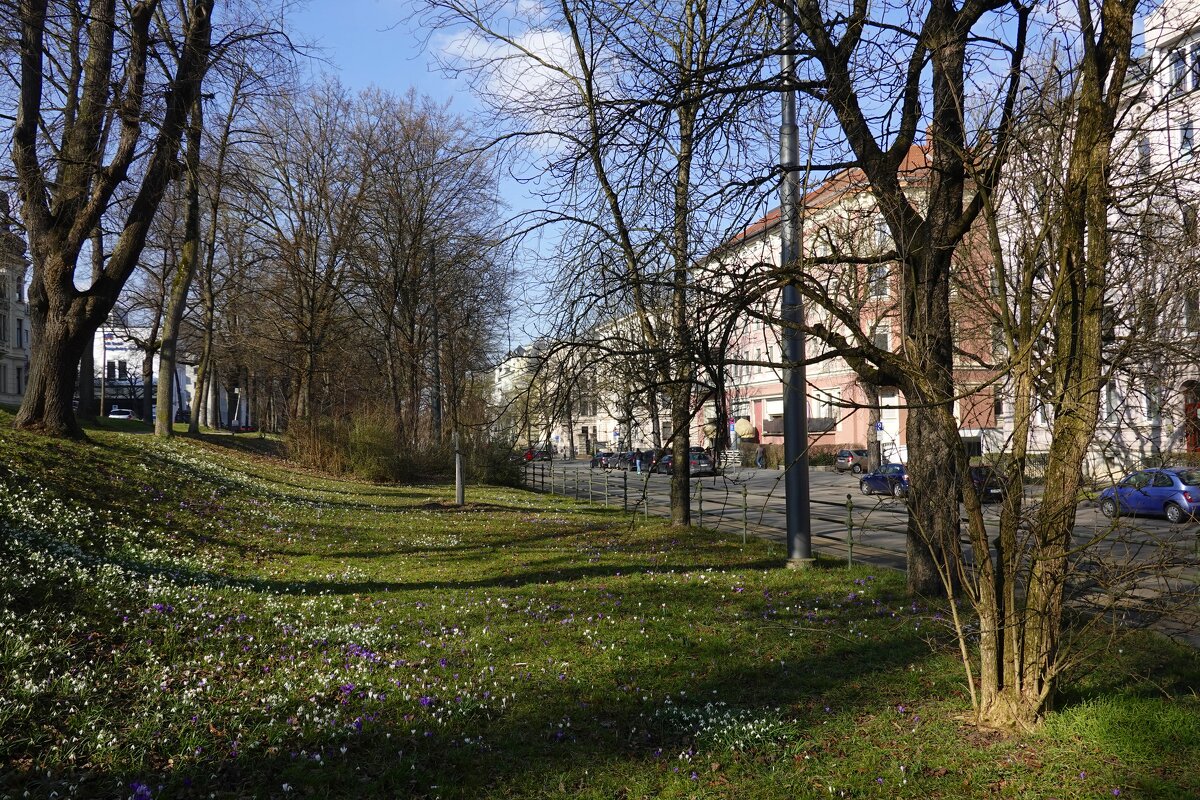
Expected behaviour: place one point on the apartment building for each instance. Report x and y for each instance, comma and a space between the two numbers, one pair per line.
14, 310
839, 219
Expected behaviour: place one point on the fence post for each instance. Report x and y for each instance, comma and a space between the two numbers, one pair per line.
625, 490
849, 529
745, 518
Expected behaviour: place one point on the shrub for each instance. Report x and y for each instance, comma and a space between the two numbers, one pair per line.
818, 455
318, 443
373, 444
488, 461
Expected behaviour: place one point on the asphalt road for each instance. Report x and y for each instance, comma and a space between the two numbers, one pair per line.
750, 502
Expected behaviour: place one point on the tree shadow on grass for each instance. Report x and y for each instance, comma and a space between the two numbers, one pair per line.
596, 737
515, 579
573, 731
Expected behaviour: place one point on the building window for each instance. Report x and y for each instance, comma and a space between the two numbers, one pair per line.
3, 379
1178, 72
883, 234
883, 338
824, 404
3, 327
877, 280
111, 371
20, 374
1112, 403
122, 370
1153, 402
1144, 154
1196, 65
1191, 310
1187, 137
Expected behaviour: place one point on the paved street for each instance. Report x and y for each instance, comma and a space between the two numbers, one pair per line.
747, 501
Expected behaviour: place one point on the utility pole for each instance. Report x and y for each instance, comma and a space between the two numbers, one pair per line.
795, 411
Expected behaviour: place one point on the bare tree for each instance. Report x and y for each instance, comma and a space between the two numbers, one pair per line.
71, 88
627, 107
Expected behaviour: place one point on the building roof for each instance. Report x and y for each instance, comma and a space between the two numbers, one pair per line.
914, 167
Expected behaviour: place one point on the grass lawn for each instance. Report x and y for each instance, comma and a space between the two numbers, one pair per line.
179, 620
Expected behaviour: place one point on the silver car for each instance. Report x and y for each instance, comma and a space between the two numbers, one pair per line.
853, 460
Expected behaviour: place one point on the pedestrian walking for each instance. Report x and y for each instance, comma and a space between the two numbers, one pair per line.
637, 457
760, 457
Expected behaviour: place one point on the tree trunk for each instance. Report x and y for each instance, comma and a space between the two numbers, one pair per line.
182, 282
681, 487
215, 419
874, 417
59, 341
932, 544
60, 213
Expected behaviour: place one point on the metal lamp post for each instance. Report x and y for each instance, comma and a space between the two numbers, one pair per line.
795, 411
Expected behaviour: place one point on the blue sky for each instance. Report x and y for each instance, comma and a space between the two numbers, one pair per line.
381, 43
377, 42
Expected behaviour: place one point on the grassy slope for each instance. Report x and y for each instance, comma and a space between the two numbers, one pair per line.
177, 621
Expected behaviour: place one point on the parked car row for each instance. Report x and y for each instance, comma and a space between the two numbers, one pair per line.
1171, 492
530, 454
699, 461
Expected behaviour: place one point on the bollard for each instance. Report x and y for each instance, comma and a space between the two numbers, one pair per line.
745, 509
849, 529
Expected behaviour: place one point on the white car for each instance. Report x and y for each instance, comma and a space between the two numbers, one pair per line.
121, 413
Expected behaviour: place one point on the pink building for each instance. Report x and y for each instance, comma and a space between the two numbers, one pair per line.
840, 225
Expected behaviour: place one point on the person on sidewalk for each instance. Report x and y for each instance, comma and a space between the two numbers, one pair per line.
760, 457
637, 457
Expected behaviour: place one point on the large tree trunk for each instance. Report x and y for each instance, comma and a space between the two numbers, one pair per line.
60, 337
932, 544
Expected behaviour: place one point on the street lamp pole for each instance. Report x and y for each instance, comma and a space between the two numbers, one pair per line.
795, 411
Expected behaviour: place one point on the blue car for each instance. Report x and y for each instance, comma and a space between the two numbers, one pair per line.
888, 479
1172, 492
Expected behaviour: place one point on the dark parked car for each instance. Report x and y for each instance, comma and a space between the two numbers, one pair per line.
603, 459
987, 484
888, 479
853, 460
701, 464
698, 464
1173, 493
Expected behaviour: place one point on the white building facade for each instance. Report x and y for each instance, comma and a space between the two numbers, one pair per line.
14, 311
